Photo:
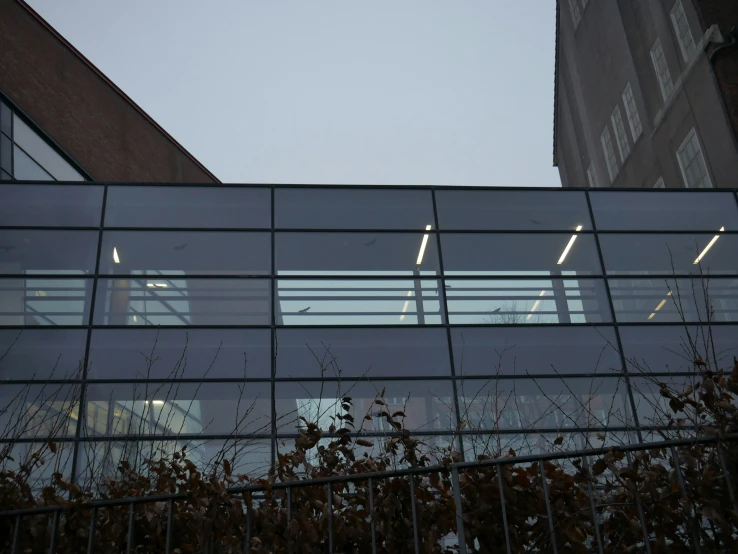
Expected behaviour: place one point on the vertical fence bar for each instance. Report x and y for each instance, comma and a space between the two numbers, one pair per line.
129, 540
54, 529
508, 548
91, 538
639, 508
289, 504
330, 518
593, 507
247, 545
372, 526
416, 542
16, 535
459, 511
544, 484
683, 487
170, 509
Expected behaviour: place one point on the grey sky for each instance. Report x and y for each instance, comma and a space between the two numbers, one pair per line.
336, 91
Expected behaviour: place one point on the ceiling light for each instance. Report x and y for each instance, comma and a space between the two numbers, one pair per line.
661, 305
157, 285
713, 241
535, 306
406, 306
423, 245
568, 246
116, 259
157, 402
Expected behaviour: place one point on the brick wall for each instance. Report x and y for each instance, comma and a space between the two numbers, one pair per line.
85, 114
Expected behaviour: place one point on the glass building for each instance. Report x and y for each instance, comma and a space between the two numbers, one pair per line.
140, 317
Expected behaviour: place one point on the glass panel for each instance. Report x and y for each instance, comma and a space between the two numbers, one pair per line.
522, 301
669, 254
427, 405
185, 253
520, 254
664, 211
362, 352
340, 208
534, 350
530, 443
182, 301
42, 353
4, 176
44, 301
489, 405
675, 300
51, 205
6, 153
47, 252
172, 408
34, 411
358, 302
25, 455
356, 254
179, 353
512, 210
674, 348
653, 408
25, 168
207, 206
6, 118
43, 153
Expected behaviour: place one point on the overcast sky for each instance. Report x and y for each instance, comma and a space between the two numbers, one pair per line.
336, 91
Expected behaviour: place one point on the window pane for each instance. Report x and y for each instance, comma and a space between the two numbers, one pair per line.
6, 118
185, 253
664, 211
550, 403
362, 352
534, 350
64, 252
180, 354
672, 348
519, 254
182, 301
25, 168
652, 408
358, 302
675, 300
43, 153
42, 353
6, 153
31, 411
522, 301
211, 206
341, 208
506, 210
648, 254
4, 176
428, 405
172, 408
356, 253
44, 301
50, 205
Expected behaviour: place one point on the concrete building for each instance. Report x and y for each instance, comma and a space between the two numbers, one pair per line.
646, 93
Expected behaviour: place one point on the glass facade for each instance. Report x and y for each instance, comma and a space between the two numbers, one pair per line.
134, 315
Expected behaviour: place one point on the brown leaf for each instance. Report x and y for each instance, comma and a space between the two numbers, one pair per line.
559, 440
227, 467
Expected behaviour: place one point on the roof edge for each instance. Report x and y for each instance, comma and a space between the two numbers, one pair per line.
115, 87
556, 90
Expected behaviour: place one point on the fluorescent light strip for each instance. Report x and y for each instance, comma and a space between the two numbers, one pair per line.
157, 285
568, 246
713, 241
116, 259
661, 305
535, 306
423, 245
406, 306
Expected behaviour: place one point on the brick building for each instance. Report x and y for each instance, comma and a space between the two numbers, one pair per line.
63, 119
646, 93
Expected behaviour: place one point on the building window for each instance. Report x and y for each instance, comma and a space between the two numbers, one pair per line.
659, 184
607, 148
692, 163
622, 138
683, 32
592, 176
662, 70
576, 15
631, 110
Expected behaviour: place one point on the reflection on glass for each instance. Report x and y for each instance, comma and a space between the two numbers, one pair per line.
26, 169
35, 411
150, 300
43, 153
47, 252
51, 205
358, 301
512, 302
44, 301
42, 353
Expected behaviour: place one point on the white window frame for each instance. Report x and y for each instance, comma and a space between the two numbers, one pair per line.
663, 76
576, 14
631, 110
659, 183
683, 31
609, 150
705, 179
620, 135
592, 176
